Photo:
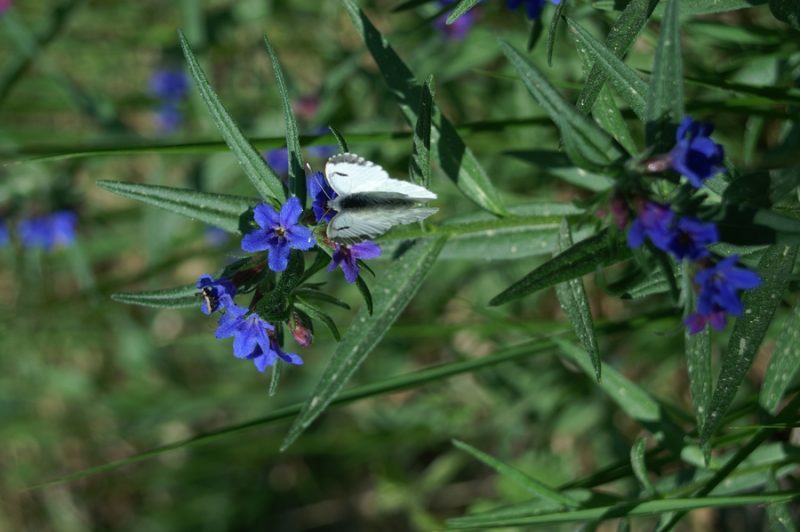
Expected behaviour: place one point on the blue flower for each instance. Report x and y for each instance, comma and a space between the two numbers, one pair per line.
263, 359
533, 8
347, 257
4, 236
322, 193
169, 117
169, 84
278, 160
719, 286
459, 29
48, 231
655, 222
217, 293
690, 237
279, 233
695, 155
248, 330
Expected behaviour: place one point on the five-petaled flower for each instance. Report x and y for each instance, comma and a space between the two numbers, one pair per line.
347, 257
655, 222
48, 231
322, 193
217, 293
719, 286
695, 155
279, 233
689, 239
533, 8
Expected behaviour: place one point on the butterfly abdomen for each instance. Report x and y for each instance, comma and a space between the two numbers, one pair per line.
371, 200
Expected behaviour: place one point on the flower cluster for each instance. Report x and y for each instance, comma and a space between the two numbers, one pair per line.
697, 157
170, 86
47, 231
459, 29
533, 8
277, 232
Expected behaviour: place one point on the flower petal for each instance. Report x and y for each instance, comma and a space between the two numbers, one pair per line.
278, 258
266, 216
257, 240
290, 212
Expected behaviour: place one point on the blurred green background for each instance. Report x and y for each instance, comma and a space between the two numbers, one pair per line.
85, 381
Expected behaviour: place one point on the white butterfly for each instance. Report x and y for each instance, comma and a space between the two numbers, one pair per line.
369, 202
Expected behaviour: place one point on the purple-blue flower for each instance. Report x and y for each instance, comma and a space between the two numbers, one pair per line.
4, 236
690, 238
169, 117
169, 84
263, 359
695, 155
322, 193
459, 29
655, 222
347, 257
248, 330
278, 160
533, 8
719, 286
279, 233
217, 293
48, 231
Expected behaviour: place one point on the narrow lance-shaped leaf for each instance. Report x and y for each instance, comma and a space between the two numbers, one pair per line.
640, 509
623, 78
601, 249
698, 362
640, 468
462, 7
180, 297
394, 291
339, 139
551, 34
775, 268
622, 35
455, 159
531, 485
420, 167
572, 297
784, 364
264, 179
297, 174
665, 95
587, 145
220, 210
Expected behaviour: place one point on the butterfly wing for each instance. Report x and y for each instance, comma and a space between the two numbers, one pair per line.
347, 174
352, 226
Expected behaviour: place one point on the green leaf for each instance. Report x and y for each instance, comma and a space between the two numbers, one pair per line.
775, 268
622, 35
220, 210
779, 514
632, 509
692, 7
297, 172
361, 284
640, 468
631, 398
623, 78
603, 248
531, 485
265, 180
420, 168
784, 363
557, 164
787, 11
572, 298
395, 290
455, 159
698, 363
665, 95
587, 145
339, 139
180, 297
317, 314
551, 34
462, 7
